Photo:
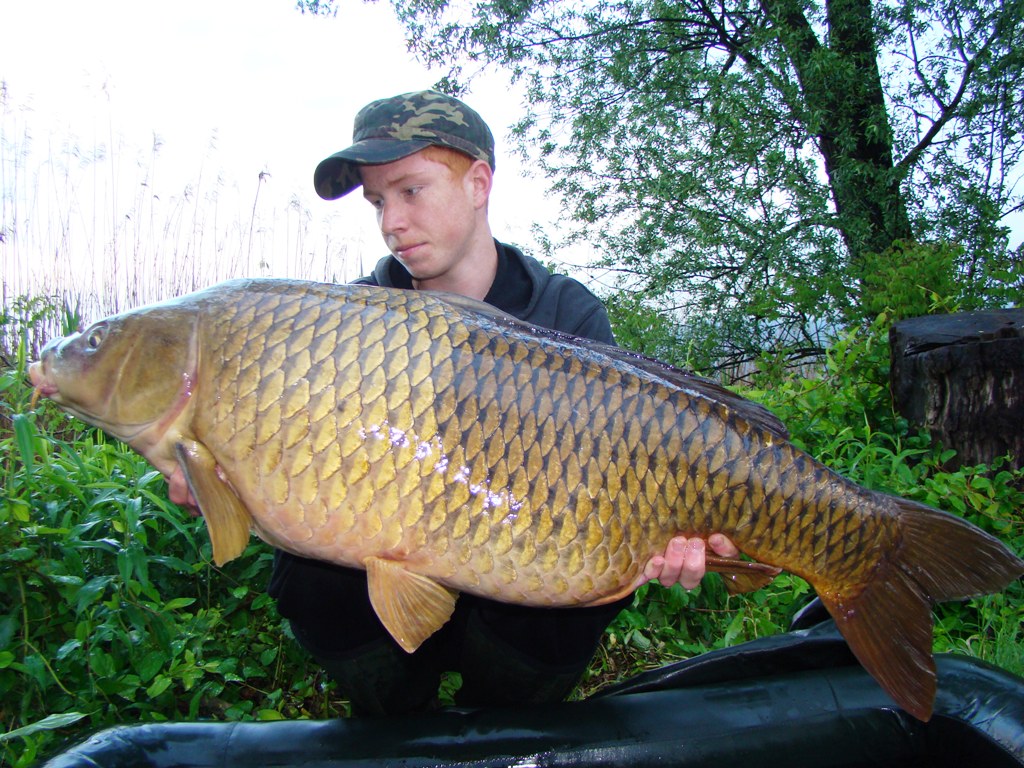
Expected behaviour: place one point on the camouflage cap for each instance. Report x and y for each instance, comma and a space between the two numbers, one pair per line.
390, 129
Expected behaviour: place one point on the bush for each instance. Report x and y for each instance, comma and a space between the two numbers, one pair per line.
114, 611
844, 417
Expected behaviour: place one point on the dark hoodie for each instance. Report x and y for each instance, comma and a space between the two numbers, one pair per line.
525, 289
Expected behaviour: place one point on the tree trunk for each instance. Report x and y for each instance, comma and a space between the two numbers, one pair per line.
962, 377
846, 110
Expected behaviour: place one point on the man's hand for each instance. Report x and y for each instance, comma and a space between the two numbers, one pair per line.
179, 493
683, 561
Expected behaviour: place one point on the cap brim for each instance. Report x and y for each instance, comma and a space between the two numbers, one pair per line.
339, 174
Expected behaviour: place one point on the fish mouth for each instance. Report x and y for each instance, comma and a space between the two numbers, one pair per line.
42, 385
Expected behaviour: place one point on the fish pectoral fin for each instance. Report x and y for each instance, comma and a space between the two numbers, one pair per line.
411, 606
742, 576
227, 518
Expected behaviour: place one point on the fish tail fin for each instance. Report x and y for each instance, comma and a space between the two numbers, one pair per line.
887, 622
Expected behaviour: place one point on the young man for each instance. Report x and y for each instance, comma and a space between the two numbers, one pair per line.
425, 163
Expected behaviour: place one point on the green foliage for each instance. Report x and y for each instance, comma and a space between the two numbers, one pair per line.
642, 329
910, 279
739, 160
844, 417
113, 611
317, 7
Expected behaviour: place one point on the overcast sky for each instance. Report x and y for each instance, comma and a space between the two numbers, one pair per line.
233, 89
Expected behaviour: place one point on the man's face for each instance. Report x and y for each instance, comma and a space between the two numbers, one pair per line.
427, 216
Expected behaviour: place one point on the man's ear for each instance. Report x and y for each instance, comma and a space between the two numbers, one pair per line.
479, 178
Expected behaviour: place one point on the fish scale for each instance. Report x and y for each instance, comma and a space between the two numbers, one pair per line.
446, 447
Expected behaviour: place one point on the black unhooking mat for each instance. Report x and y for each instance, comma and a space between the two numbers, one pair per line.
796, 700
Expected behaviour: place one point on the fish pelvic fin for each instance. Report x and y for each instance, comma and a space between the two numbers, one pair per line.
411, 606
227, 518
742, 576
888, 623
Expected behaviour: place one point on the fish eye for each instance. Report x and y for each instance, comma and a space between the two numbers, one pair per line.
95, 336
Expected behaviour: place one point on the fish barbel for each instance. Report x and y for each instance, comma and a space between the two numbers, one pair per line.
444, 446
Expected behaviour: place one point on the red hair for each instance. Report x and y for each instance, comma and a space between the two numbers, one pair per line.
457, 162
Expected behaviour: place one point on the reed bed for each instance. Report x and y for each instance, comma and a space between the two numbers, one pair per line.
97, 226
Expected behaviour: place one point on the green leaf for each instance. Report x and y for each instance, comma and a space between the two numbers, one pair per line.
734, 629
68, 648
48, 723
92, 591
177, 603
19, 555
24, 434
161, 684
151, 664
102, 664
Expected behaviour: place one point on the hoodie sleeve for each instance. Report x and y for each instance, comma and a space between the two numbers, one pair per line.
575, 310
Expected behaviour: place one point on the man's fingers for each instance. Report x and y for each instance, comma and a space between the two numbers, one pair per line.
179, 493
672, 563
693, 564
722, 545
654, 567
684, 561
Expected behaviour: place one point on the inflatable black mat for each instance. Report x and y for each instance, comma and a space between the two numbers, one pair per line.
796, 700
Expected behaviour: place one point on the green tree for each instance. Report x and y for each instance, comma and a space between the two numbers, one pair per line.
742, 159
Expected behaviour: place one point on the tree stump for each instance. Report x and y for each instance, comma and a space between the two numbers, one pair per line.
961, 377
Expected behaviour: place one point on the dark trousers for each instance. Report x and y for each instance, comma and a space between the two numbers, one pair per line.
506, 654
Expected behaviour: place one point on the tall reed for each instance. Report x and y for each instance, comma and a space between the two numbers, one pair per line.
97, 225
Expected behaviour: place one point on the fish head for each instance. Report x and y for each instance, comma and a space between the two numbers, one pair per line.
130, 374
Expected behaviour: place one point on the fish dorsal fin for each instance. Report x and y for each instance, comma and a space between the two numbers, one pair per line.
227, 518
754, 413
474, 305
411, 606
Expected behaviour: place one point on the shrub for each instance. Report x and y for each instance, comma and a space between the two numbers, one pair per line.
114, 611
844, 417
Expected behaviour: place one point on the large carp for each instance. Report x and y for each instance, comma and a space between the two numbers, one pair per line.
446, 447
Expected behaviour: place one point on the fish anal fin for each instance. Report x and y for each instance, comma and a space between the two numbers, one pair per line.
411, 606
227, 518
742, 576
888, 626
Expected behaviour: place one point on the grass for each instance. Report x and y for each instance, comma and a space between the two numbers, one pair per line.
99, 225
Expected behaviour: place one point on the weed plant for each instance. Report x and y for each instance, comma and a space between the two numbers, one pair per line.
113, 611
101, 225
